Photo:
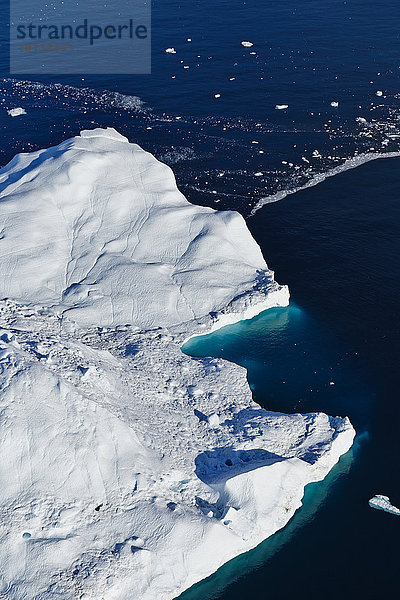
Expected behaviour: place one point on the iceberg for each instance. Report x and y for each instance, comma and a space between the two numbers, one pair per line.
16, 112
383, 503
130, 469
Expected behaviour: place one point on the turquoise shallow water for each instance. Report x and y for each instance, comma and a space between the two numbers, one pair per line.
293, 363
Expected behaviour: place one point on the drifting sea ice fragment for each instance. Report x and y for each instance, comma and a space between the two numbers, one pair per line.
379, 93
16, 112
213, 420
170, 50
281, 106
383, 503
334, 104
247, 44
217, 95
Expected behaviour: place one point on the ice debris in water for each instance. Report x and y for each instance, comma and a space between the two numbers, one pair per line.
281, 106
217, 95
247, 44
383, 503
334, 104
213, 420
16, 112
170, 50
379, 93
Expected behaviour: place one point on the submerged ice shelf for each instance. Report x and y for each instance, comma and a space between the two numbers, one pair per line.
128, 467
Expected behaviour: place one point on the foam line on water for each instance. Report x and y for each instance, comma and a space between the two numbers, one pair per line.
350, 163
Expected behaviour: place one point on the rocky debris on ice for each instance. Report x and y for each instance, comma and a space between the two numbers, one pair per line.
383, 503
128, 468
16, 112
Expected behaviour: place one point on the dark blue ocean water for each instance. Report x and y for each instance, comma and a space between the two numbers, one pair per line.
335, 244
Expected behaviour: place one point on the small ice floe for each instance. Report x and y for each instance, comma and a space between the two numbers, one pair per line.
188, 39
16, 112
379, 93
281, 106
232, 78
331, 383
361, 120
213, 420
334, 104
247, 44
258, 174
316, 154
217, 95
170, 50
383, 503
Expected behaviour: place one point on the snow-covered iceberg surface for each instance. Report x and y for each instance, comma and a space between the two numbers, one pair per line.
128, 469
383, 503
96, 227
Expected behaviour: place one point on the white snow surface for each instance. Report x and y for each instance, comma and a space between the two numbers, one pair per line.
383, 503
130, 470
111, 241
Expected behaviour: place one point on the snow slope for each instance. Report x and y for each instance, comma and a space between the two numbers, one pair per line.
109, 235
128, 469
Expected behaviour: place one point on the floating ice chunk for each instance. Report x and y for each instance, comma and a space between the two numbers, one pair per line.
247, 44
217, 95
281, 106
188, 39
213, 420
170, 50
316, 154
331, 383
258, 174
232, 78
334, 104
361, 120
383, 503
16, 112
379, 93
